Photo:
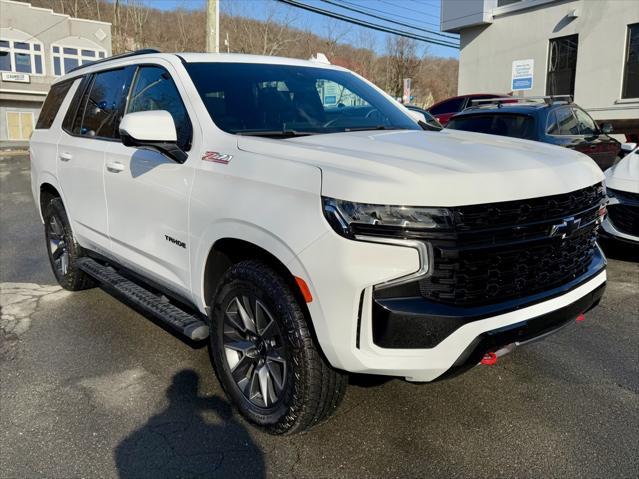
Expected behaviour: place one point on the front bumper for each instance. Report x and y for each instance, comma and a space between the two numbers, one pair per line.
342, 275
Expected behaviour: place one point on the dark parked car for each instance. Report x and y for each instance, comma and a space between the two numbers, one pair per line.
445, 109
559, 122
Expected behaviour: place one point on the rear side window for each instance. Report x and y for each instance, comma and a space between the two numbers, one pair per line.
154, 89
100, 110
566, 122
450, 106
52, 104
516, 126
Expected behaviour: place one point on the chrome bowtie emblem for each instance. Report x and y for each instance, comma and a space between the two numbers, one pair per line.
566, 228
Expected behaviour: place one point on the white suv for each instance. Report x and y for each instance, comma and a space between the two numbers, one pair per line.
305, 219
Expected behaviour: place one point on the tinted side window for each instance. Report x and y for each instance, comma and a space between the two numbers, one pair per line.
450, 106
52, 104
72, 111
154, 89
101, 109
567, 122
503, 124
585, 124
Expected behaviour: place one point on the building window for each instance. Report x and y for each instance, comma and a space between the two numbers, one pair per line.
19, 125
66, 58
562, 64
21, 57
631, 69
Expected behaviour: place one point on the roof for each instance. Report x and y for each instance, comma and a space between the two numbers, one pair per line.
146, 54
516, 108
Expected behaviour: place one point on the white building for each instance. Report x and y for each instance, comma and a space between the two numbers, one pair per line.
37, 46
585, 48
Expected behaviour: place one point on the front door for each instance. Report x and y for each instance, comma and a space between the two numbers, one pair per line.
147, 193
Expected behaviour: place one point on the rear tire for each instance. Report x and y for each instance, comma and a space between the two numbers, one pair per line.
261, 348
62, 248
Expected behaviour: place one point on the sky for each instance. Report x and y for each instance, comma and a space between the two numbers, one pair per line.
421, 13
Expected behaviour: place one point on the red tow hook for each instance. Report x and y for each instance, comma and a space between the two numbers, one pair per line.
489, 359
580, 318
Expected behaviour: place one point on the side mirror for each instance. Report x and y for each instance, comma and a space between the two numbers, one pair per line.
606, 128
628, 147
153, 130
417, 116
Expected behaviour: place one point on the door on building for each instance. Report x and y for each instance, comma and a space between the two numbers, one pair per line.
562, 65
19, 125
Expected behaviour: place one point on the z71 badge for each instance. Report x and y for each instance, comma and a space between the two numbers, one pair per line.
216, 157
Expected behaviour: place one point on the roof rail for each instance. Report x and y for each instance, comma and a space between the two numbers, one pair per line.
499, 101
143, 51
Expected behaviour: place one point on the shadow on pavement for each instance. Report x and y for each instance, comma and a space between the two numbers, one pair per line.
180, 442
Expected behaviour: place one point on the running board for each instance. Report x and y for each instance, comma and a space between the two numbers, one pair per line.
156, 305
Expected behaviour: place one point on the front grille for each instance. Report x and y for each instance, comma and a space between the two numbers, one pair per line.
625, 218
625, 215
502, 251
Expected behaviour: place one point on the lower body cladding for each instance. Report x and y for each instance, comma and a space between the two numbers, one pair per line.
361, 331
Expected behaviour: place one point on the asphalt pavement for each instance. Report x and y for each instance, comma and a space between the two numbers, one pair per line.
91, 389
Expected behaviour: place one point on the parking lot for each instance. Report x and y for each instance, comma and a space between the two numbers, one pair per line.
90, 388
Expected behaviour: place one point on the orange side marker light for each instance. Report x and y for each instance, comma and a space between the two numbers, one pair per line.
306, 292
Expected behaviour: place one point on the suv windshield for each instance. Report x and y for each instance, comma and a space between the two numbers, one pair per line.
286, 100
517, 126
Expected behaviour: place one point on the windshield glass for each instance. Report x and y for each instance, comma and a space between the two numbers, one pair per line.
517, 126
250, 98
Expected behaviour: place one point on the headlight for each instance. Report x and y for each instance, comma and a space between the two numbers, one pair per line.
352, 219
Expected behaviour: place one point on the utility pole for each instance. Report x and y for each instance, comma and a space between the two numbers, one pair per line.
213, 26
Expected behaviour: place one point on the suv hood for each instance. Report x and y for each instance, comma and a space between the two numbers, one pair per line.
446, 168
624, 176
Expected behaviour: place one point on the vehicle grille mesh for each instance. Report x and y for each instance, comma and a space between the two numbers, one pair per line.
503, 251
625, 218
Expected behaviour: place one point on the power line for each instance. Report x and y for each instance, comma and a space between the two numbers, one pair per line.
411, 10
394, 14
366, 24
379, 17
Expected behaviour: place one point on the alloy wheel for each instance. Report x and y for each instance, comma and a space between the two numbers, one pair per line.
254, 350
58, 246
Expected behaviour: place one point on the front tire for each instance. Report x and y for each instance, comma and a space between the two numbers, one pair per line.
62, 248
264, 354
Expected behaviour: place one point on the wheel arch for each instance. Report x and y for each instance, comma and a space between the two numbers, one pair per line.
228, 251
46, 193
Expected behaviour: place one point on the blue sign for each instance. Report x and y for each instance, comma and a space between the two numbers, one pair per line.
524, 83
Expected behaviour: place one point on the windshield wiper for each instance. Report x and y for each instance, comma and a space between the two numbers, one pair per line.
376, 127
277, 133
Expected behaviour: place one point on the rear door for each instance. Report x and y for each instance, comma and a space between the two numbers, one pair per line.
87, 130
147, 193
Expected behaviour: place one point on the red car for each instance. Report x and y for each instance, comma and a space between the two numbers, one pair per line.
445, 109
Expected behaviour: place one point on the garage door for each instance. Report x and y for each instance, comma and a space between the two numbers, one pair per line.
19, 125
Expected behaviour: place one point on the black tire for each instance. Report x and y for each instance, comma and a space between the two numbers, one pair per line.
311, 389
62, 248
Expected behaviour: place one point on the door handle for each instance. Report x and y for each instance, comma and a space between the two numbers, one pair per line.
114, 166
64, 156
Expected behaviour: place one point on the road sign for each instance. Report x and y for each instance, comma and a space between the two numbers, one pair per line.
522, 75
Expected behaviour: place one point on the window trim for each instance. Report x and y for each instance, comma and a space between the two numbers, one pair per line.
32, 54
625, 64
79, 57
